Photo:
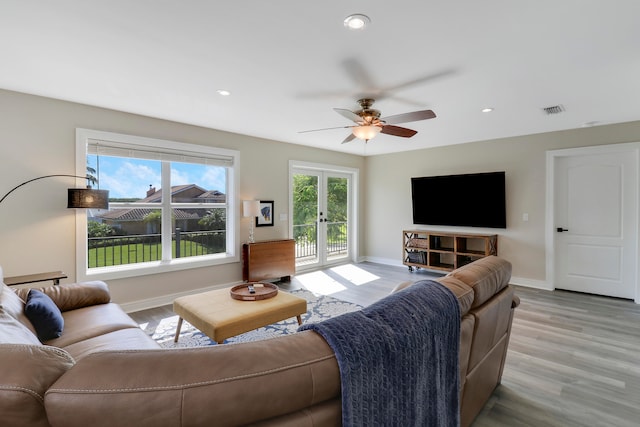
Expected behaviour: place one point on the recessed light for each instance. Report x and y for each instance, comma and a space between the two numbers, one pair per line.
357, 21
487, 110
223, 92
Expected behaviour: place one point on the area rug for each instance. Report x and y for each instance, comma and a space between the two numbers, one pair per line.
319, 307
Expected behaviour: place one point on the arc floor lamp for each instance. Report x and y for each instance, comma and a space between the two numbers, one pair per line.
77, 197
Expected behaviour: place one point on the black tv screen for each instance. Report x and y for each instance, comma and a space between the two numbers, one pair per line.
472, 200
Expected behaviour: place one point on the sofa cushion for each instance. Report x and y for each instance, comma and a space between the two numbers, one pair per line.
198, 386
44, 315
486, 276
89, 322
13, 306
122, 339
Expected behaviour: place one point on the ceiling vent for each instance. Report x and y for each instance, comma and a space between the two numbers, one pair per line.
554, 109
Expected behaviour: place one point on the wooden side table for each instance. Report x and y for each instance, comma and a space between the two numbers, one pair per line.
272, 259
55, 276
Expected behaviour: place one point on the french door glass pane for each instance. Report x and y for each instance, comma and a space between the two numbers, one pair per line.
336, 222
305, 218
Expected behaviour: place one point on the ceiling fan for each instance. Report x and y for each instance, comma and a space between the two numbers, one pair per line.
368, 123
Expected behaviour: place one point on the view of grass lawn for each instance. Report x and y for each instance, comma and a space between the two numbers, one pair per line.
135, 253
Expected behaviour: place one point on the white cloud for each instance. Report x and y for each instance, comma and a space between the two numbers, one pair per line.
129, 179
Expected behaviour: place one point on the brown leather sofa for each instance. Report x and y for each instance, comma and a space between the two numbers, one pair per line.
105, 371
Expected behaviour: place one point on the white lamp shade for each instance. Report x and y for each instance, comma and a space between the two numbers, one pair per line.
250, 208
366, 132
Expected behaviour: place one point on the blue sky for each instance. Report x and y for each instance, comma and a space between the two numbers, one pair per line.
127, 177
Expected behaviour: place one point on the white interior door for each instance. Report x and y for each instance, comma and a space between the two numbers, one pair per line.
596, 223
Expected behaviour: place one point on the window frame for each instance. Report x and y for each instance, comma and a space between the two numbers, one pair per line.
83, 138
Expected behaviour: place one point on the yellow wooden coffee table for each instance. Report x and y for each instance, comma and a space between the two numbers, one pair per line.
219, 316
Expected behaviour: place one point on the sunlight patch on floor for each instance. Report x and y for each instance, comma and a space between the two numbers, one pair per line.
354, 274
155, 327
320, 283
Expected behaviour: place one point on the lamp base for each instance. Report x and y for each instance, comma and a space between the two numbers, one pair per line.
251, 239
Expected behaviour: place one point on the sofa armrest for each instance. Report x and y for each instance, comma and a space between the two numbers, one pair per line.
231, 384
74, 295
26, 372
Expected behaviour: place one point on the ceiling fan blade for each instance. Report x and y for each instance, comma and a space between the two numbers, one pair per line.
410, 117
348, 114
350, 138
398, 131
317, 130
421, 80
359, 74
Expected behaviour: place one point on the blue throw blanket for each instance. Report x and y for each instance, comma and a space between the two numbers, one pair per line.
398, 358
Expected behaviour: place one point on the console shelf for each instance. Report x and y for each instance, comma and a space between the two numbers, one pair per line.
445, 251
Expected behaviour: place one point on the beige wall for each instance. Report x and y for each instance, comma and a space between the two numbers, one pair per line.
388, 189
37, 232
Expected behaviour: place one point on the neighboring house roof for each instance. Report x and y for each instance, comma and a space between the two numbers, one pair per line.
138, 214
213, 196
184, 193
156, 197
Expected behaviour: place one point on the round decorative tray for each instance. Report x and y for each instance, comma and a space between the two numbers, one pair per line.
261, 291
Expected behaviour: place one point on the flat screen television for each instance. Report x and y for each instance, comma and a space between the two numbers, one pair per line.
472, 200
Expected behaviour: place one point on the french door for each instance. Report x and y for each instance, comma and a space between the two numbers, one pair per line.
321, 211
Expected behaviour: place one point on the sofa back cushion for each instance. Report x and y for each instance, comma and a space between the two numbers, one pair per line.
74, 295
12, 306
486, 276
463, 292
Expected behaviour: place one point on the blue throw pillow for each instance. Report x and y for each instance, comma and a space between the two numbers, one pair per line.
44, 314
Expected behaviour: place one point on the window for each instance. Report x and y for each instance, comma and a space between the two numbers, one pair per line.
171, 205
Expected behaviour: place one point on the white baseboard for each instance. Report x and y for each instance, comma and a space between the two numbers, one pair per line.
386, 261
130, 307
532, 283
520, 281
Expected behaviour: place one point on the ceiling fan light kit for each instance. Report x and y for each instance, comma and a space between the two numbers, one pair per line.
369, 124
366, 132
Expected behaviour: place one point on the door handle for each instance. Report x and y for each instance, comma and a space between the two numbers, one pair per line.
560, 229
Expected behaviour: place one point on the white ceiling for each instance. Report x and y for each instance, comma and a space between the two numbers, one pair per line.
288, 63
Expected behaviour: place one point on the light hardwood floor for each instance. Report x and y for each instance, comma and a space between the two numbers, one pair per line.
573, 359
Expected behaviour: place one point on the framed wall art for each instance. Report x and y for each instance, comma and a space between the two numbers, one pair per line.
265, 219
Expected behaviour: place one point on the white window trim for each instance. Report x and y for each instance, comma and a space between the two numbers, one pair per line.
83, 136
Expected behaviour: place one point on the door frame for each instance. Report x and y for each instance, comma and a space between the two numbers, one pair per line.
550, 234
353, 210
